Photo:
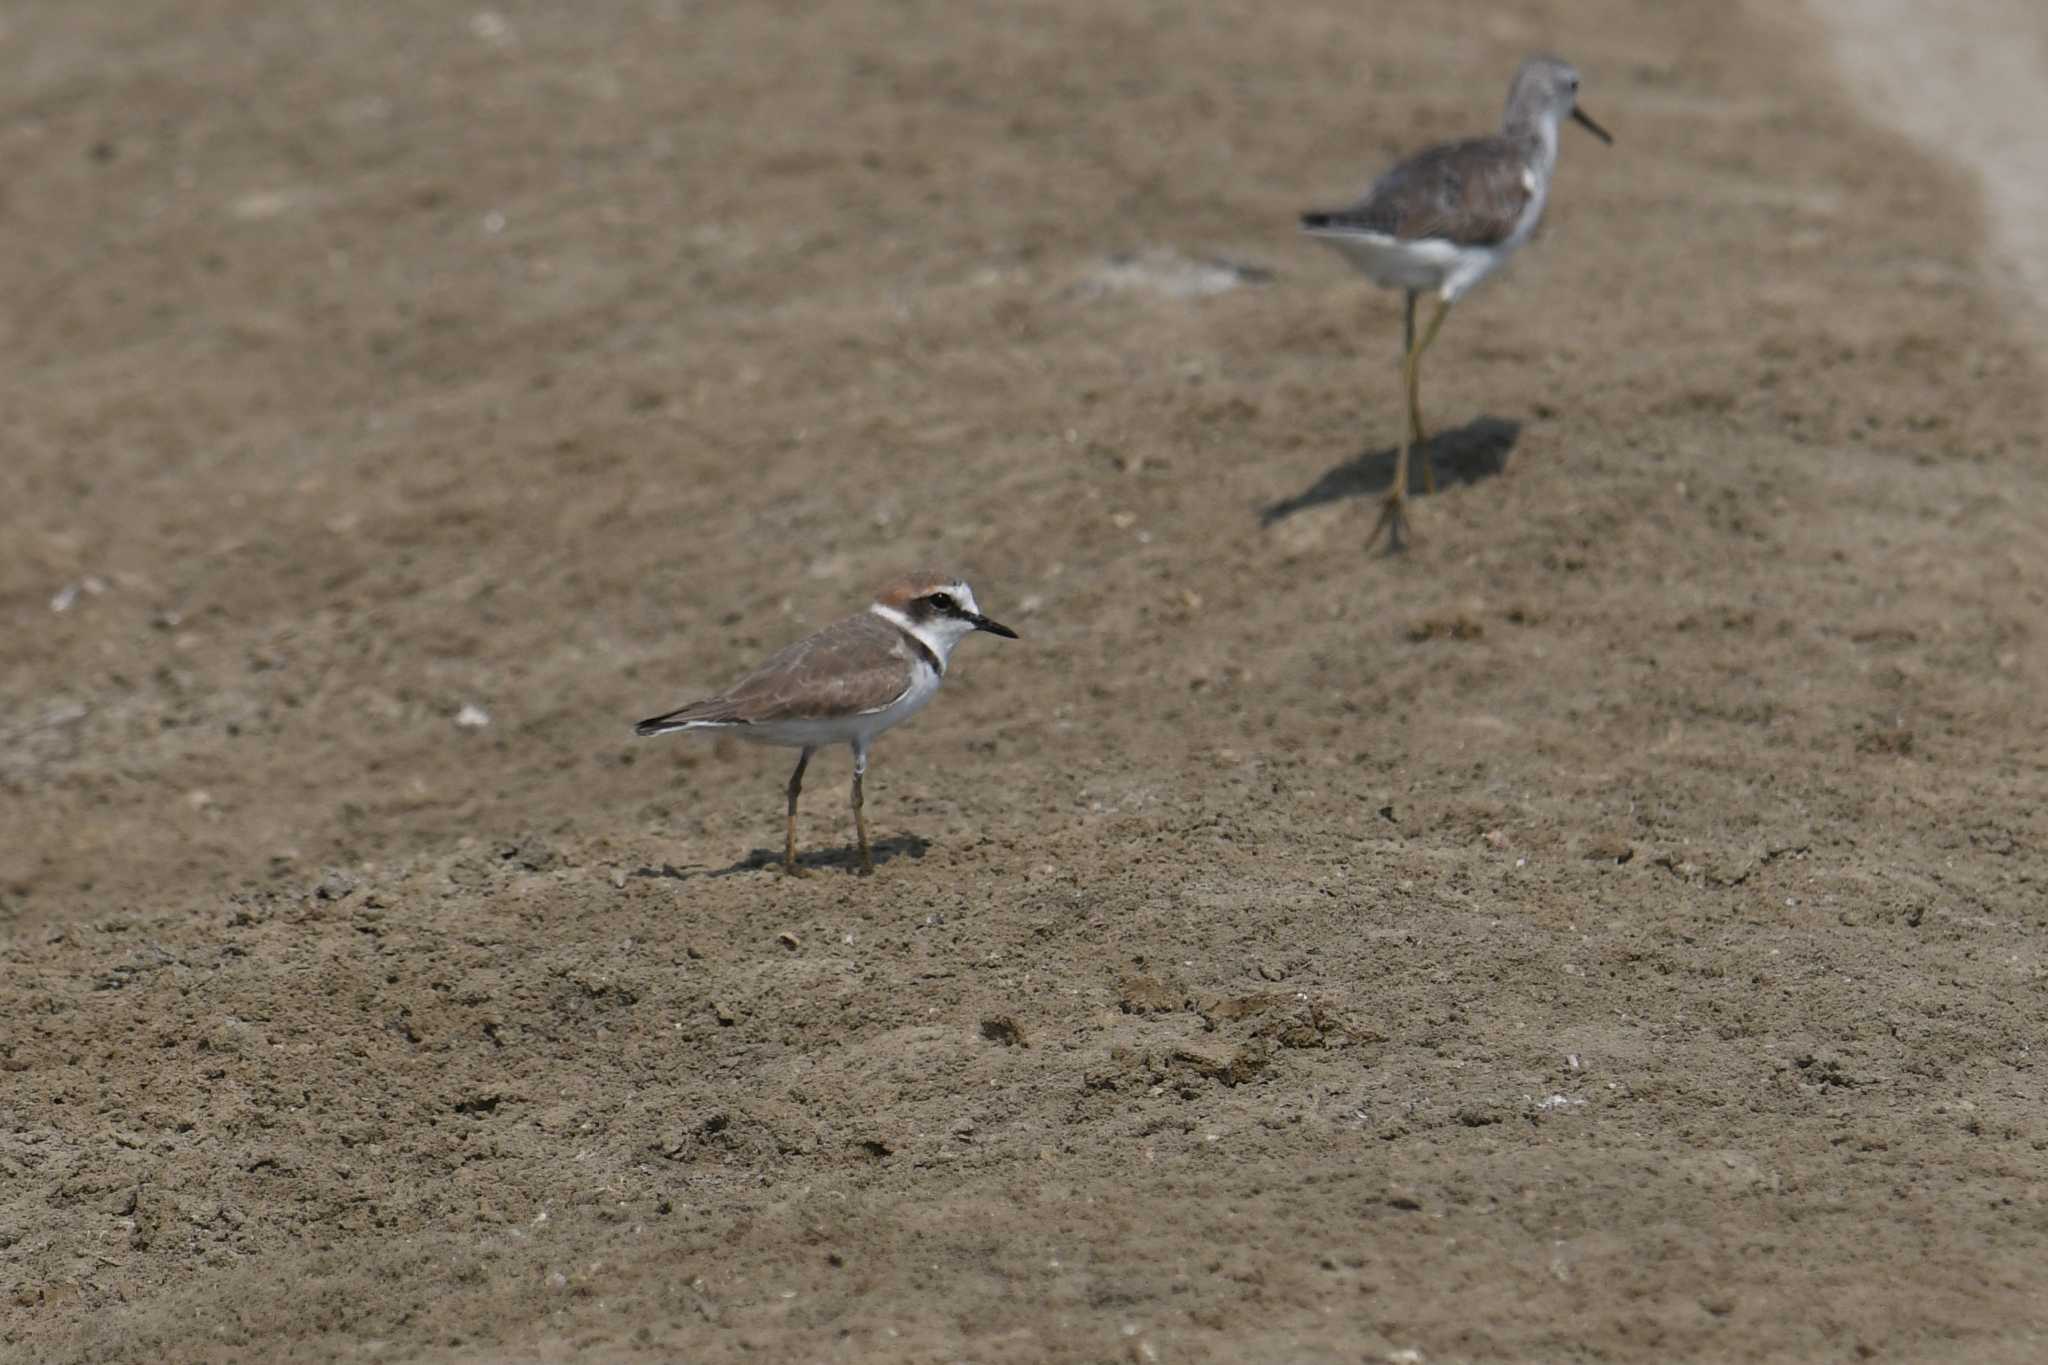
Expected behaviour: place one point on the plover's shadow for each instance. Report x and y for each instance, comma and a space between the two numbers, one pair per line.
1478, 450
669, 871
846, 859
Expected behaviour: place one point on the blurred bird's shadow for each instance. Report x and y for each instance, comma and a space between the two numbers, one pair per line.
1478, 450
839, 859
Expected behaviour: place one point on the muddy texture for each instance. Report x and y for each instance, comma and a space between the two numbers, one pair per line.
1612, 931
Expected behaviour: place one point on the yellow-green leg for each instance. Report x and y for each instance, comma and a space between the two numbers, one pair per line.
796, 785
1407, 346
1394, 511
1415, 433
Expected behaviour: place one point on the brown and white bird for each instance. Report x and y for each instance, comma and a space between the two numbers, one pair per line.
1447, 217
845, 685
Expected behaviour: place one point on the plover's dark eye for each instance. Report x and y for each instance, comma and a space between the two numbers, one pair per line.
942, 602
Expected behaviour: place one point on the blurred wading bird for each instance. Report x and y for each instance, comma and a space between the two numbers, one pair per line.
845, 685
1446, 218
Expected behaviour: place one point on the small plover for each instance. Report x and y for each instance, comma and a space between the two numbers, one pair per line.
1446, 218
845, 685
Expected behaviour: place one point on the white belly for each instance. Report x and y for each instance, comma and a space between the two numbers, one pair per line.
1425, 265
1432, 263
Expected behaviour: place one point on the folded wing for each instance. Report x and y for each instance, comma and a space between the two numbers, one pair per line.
1462, 192
854, 667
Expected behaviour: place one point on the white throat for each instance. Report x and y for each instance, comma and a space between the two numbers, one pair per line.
935, 635
1546, 139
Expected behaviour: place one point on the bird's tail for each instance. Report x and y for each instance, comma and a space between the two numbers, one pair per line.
698, 715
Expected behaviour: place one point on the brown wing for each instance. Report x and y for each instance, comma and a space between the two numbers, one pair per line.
1469, 192
850, 668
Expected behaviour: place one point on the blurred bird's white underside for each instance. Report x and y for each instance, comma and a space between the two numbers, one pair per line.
1423, 264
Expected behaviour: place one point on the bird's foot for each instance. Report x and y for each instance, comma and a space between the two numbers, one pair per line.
1393, 520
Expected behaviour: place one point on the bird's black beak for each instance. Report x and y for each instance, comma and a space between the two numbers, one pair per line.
1585, 120
981, 622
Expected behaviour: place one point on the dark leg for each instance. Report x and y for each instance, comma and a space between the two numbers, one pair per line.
860, 821
1408, 328
796, 785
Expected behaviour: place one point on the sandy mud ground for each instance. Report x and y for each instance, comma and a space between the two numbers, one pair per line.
1613, 931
